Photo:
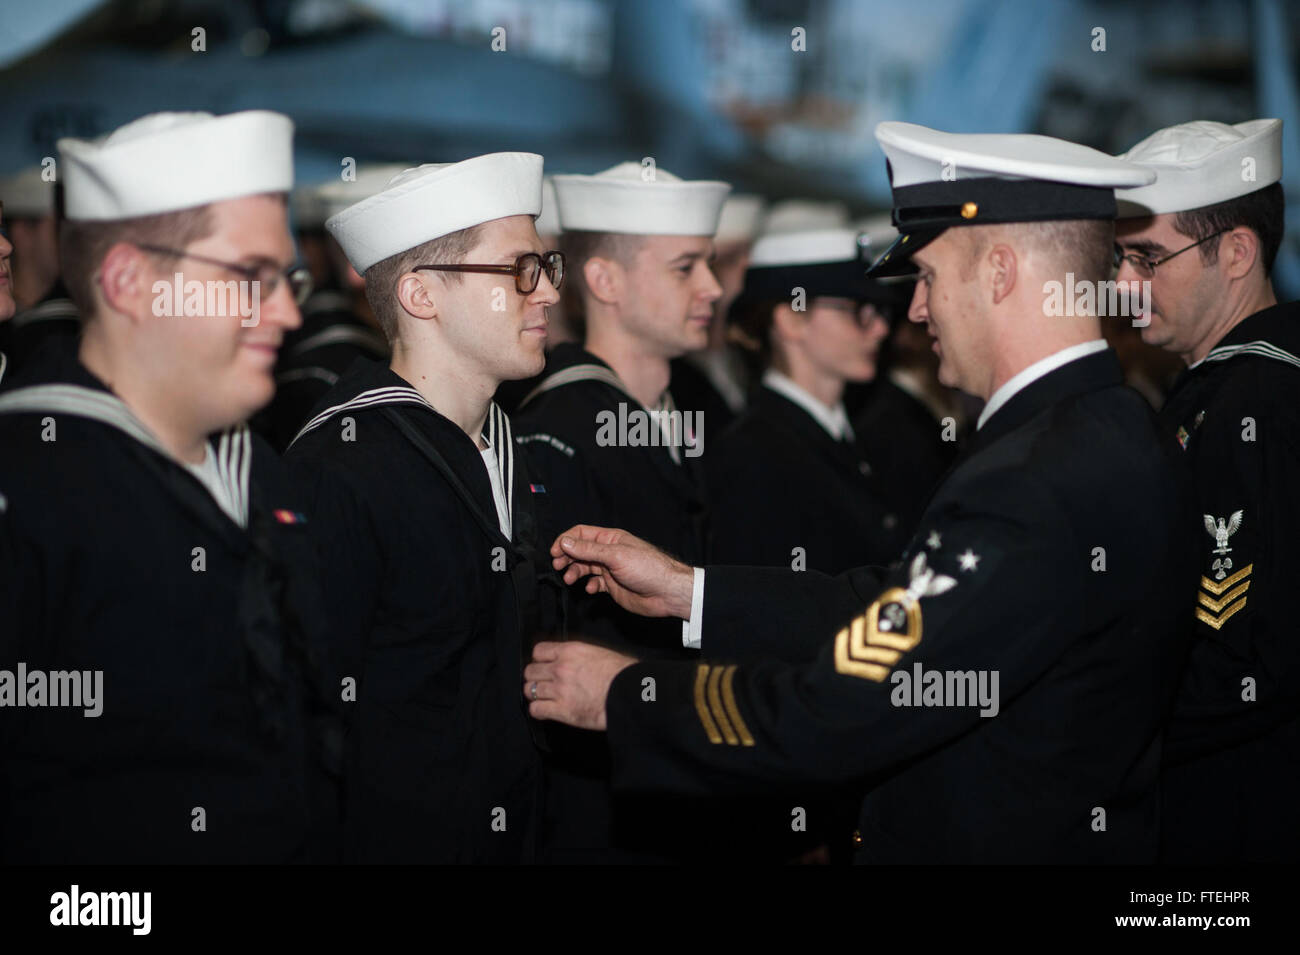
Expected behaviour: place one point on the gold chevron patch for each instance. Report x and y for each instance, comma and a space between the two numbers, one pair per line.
715, 704
1220, 600
1217, 605
869, 646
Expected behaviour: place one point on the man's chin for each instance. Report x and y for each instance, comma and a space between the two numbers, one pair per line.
862, 373
256, 397
696, 338
1155, 332
525, 364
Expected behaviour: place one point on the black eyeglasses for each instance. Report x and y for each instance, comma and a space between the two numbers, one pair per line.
267, 275
527, 270
1145, 266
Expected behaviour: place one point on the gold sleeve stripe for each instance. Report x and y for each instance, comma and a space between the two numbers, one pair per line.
1221, 586
898, 641
715, 706
710, 728
1221, 619
729, 698
858, 631
1217, 605
876, 654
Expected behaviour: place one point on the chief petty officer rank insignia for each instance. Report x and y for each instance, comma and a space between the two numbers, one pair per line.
868, 647
876, 640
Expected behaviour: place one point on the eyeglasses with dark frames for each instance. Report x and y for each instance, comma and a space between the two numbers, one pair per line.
527, 270
862, 311
267, 275
1146, 266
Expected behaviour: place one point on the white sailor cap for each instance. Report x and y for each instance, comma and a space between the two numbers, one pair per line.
941, 180
805, 215
637, 200
27, 195
427, 202
1200, 163
742, 214
165, 162
803, 248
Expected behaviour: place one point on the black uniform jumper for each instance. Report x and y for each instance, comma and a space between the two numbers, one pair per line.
433, 606
1232, 766
212, 744
650, 491
781, 487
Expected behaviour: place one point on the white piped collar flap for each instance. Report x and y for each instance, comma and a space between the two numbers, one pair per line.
496, 433
233, 449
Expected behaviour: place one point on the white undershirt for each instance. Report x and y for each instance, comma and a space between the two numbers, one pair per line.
1037, 370
210, 477
835, 420
498, 489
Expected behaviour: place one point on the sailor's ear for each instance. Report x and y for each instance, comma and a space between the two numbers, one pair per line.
415, 295
127, 285
606, 279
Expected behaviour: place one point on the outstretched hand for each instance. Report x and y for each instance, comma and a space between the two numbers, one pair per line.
640, 577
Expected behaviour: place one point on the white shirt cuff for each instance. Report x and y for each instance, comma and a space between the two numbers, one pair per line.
692, 628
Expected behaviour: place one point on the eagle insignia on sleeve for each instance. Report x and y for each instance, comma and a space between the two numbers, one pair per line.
1222, 530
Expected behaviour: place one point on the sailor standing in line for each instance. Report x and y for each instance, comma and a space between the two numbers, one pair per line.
424, 514
149, 545
640, 250
605, 438
1204, 238
716, 378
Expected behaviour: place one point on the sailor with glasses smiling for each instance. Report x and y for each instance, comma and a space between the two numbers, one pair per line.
1232, 755
147, 536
